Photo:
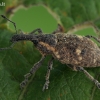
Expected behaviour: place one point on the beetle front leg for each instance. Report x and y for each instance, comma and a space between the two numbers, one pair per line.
50, 64
32, 71
36, 30
89, 76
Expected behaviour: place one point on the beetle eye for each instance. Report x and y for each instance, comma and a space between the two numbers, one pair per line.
35, 42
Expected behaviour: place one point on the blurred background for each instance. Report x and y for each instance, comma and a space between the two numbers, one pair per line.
28, 15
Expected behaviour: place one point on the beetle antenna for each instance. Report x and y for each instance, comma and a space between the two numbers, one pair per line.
10, 21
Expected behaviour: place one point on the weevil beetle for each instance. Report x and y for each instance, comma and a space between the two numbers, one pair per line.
75, 50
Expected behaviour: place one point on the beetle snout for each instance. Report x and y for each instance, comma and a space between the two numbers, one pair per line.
14, 38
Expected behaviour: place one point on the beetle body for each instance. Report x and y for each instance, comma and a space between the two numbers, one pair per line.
68, 49
72, 49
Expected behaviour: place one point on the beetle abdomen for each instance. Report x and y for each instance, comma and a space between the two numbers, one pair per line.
77, 50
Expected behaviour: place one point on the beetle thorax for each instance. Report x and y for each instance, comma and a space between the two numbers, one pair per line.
46, 44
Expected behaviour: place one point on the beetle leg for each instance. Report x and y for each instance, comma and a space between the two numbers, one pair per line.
89, 76
90, 36
36, 30
50, 64
82, 26
32, 71
72, 67
6, 48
